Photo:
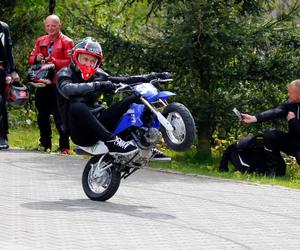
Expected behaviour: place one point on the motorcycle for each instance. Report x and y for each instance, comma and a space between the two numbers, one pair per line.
144, 125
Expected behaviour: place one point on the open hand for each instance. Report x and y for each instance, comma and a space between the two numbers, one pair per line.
40, 57
15, 76
8, 79
248, 118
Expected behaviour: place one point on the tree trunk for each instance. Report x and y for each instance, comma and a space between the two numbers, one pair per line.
203, 132
52, 4
203, 136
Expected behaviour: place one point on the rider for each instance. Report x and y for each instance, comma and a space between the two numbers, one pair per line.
80, 85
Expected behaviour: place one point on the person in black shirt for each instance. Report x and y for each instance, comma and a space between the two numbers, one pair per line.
8, 74
274, 140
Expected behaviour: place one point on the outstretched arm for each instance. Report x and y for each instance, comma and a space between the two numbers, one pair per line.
70, 89
271, 114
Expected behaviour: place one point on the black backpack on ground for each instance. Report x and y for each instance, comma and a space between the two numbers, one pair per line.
249, 155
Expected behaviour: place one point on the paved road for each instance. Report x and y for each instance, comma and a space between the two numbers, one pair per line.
43, 207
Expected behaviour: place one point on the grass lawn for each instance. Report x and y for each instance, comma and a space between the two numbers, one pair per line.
189, 162
28, 138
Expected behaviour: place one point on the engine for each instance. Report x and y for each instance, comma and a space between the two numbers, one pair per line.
146, 139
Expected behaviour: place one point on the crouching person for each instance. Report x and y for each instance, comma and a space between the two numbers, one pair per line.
280, 141
250, 155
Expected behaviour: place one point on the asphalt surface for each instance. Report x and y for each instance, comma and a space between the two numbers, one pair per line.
43, 207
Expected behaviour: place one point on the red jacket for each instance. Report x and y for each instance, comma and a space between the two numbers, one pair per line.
60, 54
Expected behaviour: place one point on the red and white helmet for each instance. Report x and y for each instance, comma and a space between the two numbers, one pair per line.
40, 75
16, 94
86, 46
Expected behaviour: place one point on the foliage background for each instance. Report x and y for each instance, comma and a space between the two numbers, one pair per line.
223, 54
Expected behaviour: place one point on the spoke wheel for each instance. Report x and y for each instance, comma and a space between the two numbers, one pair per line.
100, 181
184, 129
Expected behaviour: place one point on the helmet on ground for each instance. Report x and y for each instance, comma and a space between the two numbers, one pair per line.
86, 46
16, 94
40, 75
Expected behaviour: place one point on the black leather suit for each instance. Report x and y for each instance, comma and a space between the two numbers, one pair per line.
77, 97
276, 141
7, 64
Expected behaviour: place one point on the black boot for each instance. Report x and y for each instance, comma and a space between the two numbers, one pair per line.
226, 158
157, 155
275, 163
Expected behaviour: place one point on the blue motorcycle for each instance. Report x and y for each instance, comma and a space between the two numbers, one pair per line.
144, 125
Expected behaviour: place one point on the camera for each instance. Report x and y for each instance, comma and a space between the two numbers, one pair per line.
237, 113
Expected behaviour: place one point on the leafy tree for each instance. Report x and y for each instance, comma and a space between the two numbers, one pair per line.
222, 53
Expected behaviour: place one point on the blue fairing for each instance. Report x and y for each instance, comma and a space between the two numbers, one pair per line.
131, 118
156, 123
134, 114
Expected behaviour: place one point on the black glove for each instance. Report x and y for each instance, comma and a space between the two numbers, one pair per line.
104, 85
164, 75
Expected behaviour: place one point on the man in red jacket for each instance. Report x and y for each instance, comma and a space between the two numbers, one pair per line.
53, 48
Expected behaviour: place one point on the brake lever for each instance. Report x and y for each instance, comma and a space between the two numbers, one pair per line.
123, 86
158, 80
166, 80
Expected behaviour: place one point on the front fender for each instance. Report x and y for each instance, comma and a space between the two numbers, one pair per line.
162, 95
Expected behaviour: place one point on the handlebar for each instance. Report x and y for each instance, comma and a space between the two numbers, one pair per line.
124, 86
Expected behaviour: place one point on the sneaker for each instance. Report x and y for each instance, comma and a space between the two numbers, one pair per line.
3, 143
65, 151
159, 156
120, 147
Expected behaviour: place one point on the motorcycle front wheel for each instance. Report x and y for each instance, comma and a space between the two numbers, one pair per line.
100, 181
182, 121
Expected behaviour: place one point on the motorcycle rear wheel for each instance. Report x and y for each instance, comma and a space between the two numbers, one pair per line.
184, 133
101, 185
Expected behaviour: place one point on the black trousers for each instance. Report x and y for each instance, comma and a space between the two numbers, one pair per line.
45, 102
86, 129
3, 109
277, 141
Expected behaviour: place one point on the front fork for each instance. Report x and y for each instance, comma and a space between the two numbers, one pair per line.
163, 121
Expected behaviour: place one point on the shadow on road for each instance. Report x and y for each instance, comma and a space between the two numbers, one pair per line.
69, 205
